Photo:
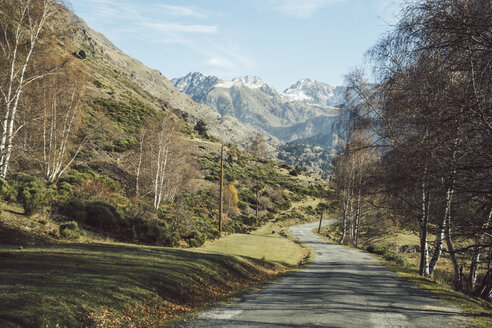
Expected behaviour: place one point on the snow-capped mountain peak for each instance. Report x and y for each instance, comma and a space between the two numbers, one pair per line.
253, 101
252, 82
310, 91
195, 84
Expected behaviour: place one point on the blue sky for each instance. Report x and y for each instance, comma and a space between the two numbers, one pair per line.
281, 41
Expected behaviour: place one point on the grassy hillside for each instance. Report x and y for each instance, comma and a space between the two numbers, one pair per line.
126, 112
122, 285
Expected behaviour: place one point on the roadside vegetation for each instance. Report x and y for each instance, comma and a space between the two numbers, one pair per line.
123, 285
417, 142
399, 252
411, 180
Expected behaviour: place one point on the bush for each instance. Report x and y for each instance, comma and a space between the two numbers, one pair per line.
31, 193
65, 190
77, 175
128, 116
195, 239
247, 195
388, 254
238, 226
6, 191
97, 214
106, 218
201, 128
249, 220
120, 145
70, 230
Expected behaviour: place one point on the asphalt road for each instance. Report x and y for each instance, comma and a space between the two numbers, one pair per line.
342, 287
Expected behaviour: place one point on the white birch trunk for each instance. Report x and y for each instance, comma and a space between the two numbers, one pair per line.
14, 92
476, 255
441, 232
139, 164
424, 246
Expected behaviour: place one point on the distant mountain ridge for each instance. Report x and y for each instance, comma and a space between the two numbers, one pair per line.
242, 107
315, 93
305, 109
115, 62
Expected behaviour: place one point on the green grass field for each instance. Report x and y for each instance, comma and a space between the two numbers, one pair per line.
261, 245
121, 285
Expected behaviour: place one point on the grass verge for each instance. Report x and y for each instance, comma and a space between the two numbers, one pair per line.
477, 312
121, 285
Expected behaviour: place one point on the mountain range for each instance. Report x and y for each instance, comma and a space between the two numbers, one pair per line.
113, 64
305, 109
233, 110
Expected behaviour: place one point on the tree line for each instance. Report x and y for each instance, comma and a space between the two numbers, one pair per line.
418, 137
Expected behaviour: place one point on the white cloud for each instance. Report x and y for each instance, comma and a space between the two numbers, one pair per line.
302, 8
183, 11
179, 26
220, 62
175, 27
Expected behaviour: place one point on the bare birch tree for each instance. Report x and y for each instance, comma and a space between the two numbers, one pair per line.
430, 114
21, 24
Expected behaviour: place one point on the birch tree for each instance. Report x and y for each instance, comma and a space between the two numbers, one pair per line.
163, 145
62, 94
430, 114
21, 25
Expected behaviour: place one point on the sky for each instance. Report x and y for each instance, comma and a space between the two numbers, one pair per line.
282, 41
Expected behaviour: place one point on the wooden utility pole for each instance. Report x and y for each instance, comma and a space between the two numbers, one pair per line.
320, 220
257, 199
221, 187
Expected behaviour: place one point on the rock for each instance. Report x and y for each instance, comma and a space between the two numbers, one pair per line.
394, 247
409, 249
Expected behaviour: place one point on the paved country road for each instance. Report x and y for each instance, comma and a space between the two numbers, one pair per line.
342, 287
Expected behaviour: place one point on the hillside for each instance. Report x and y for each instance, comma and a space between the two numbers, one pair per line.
139, 162
116, 70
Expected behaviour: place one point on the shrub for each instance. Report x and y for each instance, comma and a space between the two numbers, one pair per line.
246, 195
249, 220
127, 116
6, 191
236, 226
388, 254
201, 128
195, 239
120, 145
77, 175
70, 230
31, 193
108, 219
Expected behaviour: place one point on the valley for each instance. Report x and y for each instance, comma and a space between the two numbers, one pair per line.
133, 196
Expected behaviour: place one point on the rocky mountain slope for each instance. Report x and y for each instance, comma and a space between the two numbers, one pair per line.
305, 109
234, 111
113, 64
